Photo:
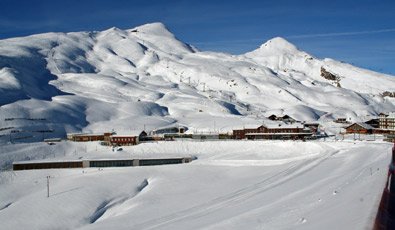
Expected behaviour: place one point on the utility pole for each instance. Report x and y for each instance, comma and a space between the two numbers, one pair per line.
48, 185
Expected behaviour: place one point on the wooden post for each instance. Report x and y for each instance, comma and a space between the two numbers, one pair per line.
48, 185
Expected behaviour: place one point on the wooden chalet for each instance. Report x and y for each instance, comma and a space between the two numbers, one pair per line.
361, 128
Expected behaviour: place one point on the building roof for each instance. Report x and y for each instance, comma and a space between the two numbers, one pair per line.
388, 115
126, 135
247, 126
283, 125
277, 134
363, 125
272, 125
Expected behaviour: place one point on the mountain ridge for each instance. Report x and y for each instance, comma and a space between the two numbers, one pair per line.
100, 80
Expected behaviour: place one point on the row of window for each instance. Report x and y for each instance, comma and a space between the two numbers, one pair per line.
115, 163
159, 162
123, 139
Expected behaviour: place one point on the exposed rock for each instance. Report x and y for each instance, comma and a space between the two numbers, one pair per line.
330, 76
388, 94
327, 75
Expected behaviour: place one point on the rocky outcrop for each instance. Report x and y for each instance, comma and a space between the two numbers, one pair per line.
330, 76
388, 94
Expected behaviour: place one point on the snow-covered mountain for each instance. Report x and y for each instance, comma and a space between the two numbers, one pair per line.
125, 79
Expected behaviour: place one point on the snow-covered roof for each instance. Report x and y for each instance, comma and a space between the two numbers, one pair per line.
276, 134
284, 126
126, 135
85, 134
363, 125
271, 125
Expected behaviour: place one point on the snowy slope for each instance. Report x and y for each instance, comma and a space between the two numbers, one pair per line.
125, 79
232, 185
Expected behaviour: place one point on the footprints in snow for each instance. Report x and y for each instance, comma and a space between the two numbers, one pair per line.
303, 220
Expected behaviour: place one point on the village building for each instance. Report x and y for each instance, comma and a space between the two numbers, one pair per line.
279, 131
375, 123
203, 136
84, 137
387, 121
272, 117
341, 120
313, 127
123, 140
169, 130
286, 118
361, 128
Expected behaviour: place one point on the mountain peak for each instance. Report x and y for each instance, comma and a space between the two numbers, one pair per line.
278, 43
274, 47
156, 28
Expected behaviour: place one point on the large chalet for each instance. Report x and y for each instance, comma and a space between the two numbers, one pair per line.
387, 121
275, 132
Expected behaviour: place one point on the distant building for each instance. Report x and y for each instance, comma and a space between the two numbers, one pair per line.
313, 127
48, 140
205, 136
286, 118
375, 123
341, 120
274, 132
361, 128
122, 140
387, 121
272, 117
169, 130
84, 137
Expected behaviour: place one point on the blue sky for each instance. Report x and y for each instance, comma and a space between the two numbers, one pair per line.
361, 32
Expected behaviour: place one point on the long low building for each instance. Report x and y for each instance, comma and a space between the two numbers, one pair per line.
84, 137
274, 132
97, 163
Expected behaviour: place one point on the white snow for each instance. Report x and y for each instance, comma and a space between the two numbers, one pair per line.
145, 78
94, 81
231, 185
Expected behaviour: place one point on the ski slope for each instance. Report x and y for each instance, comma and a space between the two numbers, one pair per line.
231, 185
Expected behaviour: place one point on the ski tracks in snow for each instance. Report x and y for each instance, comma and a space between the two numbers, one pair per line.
237, 198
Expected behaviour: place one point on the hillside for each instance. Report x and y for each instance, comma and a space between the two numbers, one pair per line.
125, 79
